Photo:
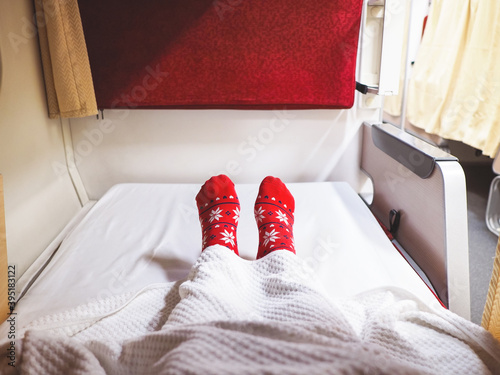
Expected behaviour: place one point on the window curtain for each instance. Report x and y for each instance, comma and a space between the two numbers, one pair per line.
454, 90
66, 67
491, 315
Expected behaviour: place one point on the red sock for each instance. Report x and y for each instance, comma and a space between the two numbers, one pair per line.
219, 210
274, 209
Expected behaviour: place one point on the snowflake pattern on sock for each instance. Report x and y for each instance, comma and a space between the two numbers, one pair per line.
274, 209
219, 211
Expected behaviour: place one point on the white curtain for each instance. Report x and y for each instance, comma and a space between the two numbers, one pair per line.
454, 90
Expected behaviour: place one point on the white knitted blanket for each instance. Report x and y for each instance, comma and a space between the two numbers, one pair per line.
233, 316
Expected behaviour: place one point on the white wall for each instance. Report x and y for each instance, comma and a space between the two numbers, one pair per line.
420, 9
38, 201
147, 146
192, 145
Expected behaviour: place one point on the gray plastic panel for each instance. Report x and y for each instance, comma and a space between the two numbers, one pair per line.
418, 156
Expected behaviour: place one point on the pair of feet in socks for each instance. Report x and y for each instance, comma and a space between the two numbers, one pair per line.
219, 210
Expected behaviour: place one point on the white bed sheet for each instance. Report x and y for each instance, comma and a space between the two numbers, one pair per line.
139, 234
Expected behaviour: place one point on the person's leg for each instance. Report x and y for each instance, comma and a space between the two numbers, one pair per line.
219, 210
274, 210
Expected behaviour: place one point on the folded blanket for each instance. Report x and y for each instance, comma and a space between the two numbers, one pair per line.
266, 316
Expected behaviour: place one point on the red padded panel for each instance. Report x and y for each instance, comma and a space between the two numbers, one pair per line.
222, 53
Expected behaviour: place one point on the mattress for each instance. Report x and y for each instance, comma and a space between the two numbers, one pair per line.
141, 234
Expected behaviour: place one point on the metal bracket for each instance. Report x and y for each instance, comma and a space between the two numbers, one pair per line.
382, 40
376, 2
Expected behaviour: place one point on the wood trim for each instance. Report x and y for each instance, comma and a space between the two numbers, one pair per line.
491, 314
4, 307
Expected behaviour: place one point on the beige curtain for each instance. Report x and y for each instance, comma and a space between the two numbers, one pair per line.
66, 67
491, 315
454, 90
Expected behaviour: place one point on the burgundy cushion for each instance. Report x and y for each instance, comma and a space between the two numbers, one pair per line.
222, 53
